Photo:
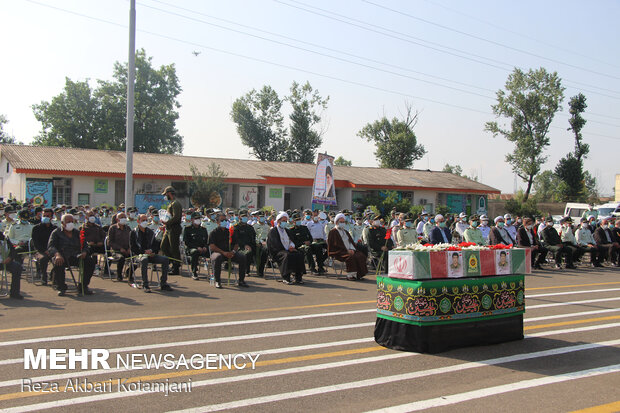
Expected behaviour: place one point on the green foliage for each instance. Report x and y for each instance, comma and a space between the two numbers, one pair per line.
457, 170
4, 136
83, 117
395, 142
260, 124
530, 102
385, 204
577, 105
547, 187
521, 206
416, 210
340, 161
442, 209
570, 173
206, 186
591, 188
307, 106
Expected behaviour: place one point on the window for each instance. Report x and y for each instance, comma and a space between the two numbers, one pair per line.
61, 191
83, 199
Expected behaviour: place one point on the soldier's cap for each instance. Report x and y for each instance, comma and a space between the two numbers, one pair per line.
377, 217
358, 216
209, 211
474, 217
584, 220
48, 210
57, 209
23, 213
260, 213
168, 189
216, 210
566, 219
424, 213
288, 211
462, 215
549, 219
122, 205
296, 216
152, 208
331, 214
8, 209
195, 215
72, 211
408, 218
307, 211
243, 213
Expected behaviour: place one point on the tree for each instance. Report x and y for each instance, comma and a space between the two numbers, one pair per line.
4, 136
83, 117
530, 101
577, 105
570, 173
206, 186
396, 144
592, 189
260, 124
307, 107
340, 161
457, 170
547, 187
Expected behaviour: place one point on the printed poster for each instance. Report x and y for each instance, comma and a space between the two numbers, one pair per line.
39, 192
324, 187
455, 264
248, 197
502, 262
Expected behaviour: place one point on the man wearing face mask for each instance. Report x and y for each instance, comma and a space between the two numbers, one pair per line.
605, 240
358, 229
261, 228
132, 214
440, 234
10, 216
552, 241
94, 235
499, 234
484, 227
283, 251
461, 225
40, 237
473, 233
65, 247
422, 223
118, 240
526, 238
303, 238
142, 241
208, 221
341, 247
10, 265
246, 238
20, 233
407, 235
377, 244
196, 239
510, 227
585, 240
224, 247
170, 243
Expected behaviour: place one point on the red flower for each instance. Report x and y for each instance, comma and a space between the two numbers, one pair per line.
82, 238
466, 244
231, 231
388, 233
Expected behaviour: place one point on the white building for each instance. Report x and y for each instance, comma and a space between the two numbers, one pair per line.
87, 176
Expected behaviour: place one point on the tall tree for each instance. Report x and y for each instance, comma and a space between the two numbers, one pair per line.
81, 117
530, 102
577, 105
307, 107
395, 142
570, 173
4, 136
340, 161
260, 124
458, 170
547, 187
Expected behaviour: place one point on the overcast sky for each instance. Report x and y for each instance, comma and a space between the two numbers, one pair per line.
447, 58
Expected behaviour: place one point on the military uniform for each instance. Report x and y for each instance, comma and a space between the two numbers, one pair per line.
170, 242
406, 236
376, 241
20, 234
246, 237
304, 242
196, 238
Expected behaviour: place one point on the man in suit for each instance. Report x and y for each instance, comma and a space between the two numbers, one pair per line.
552, 241
142, 240
224, 245
527, 238
441, 233
40, 237
499, 234
605, 240
282, 250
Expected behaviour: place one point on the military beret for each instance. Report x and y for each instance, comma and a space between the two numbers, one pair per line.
195, 215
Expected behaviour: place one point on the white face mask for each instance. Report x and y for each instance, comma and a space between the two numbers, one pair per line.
91, 220
376, 223
122, 221
196, 222
69, 226
144, 224
13, 216
584, 226
132, 215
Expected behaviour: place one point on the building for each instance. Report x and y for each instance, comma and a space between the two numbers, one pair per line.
72, 176
617, 188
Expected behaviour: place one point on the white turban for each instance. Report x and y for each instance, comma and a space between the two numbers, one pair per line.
499, 218
438, 216
337, 217
281, 215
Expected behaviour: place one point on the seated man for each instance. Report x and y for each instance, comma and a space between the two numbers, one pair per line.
246, 238
586, 241
441, 233
40, 238
20, 233
407, 235
8, 260
93, 234
510, 226
223, 247
377, 244
473, 233
527, 238
552, 241
341, 247
196, 239
303, 239
142, 240
283, 251
118, 242
65, 246
605, 240
156, 226
484, 227
261, 229
499, 234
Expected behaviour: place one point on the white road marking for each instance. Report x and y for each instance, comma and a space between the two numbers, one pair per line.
182, 327
552, 317
573, 330
572, 292
495, 390
598, 300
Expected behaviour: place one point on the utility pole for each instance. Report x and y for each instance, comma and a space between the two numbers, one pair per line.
131, 75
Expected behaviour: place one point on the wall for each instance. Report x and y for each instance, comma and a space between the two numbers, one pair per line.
344, 197
13, 184
276, 202
301, 197
431, 200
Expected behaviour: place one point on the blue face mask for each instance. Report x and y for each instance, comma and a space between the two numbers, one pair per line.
474, 224
244, 220
308, 217
155, 218
432, 221
283, 225
261, 220
508, 221
500, 224
442, 224
223, 224
408, 224
45, 220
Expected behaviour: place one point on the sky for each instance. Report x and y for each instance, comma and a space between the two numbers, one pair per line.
371, 57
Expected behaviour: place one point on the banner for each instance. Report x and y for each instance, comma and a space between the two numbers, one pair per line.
39, 192
324, 187
144, 201
248, 197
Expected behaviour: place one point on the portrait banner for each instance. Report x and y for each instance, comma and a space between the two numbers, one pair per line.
324, 188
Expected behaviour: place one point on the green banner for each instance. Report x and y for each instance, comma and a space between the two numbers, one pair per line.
431, 302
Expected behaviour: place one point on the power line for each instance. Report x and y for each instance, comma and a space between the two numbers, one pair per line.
360, 24
473, 36
285, 66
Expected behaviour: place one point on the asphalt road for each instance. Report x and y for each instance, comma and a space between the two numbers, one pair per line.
315, 349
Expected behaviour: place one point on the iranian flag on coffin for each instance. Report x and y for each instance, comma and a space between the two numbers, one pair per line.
411, 265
